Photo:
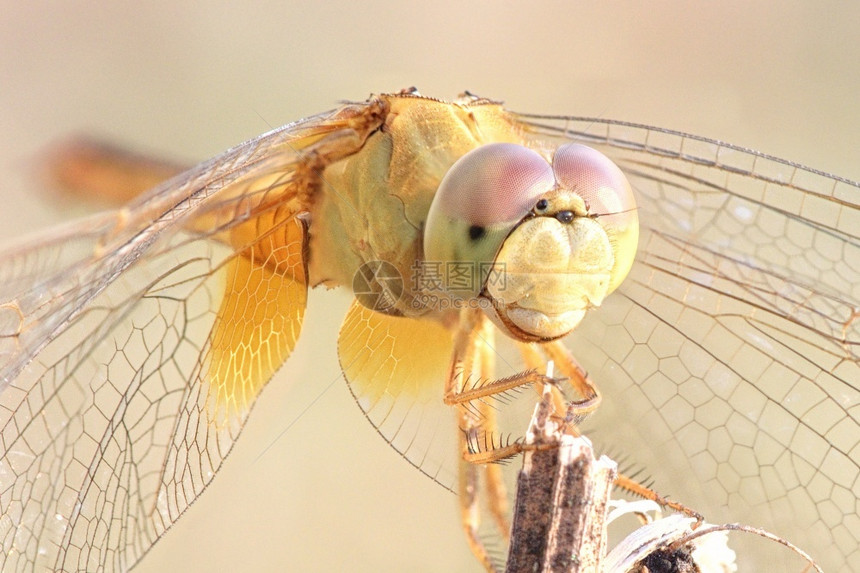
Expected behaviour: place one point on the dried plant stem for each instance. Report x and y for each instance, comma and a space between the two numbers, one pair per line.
561, 505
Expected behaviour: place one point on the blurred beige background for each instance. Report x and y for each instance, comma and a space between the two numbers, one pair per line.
311, 487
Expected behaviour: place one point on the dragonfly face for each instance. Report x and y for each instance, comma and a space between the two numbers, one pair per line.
504, 210
728, 356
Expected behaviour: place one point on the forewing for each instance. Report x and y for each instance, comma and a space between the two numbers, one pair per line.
729, 358
130, 362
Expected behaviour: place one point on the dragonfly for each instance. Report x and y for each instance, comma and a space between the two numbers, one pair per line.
714, 317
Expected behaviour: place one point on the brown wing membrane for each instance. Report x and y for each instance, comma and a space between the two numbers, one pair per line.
136, 360
729, 361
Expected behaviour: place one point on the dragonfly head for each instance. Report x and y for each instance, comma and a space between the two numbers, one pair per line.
542, 242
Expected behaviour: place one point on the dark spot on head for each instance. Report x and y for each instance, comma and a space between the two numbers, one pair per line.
476, 232
564, 216
542, 204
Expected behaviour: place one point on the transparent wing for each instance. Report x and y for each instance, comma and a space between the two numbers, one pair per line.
131, 355
49, 278
729, 360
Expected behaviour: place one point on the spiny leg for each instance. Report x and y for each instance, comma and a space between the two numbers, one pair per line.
474, 402
536, 361
636, 488
464, 365
575, 411
471, 387
497, 495
576, 375
463, 388
474, 345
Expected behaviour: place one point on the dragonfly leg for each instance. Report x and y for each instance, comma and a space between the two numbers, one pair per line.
471, 386
497, 495
576, 375
633, 486
536, 361
472, 398
470, 383
469, 360
470, 511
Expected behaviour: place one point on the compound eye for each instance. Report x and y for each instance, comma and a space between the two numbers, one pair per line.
599, 182
495, 183
480, 200
608, 197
